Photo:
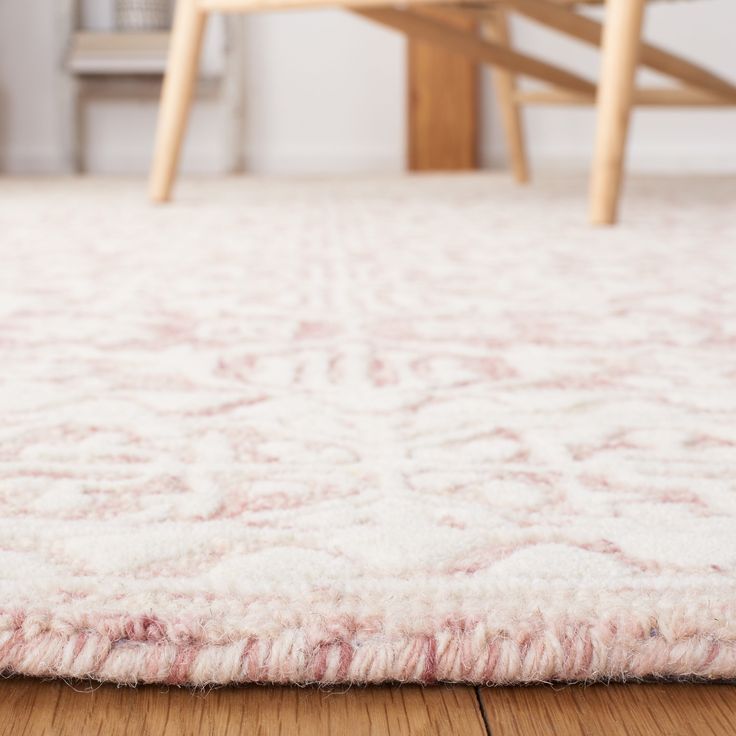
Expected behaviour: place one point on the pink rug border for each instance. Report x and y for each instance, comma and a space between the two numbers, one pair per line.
145, 649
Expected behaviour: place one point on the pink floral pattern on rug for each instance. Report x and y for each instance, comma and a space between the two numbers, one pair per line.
367, 430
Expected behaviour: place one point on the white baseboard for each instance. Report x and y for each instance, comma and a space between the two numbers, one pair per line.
41, 161
322, 160
720, 161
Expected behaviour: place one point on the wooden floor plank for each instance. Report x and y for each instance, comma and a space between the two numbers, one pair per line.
612, 710
35, 708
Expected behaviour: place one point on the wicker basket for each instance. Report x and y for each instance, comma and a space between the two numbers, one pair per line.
142, 15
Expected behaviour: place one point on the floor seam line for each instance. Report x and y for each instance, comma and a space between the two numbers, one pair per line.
483, 712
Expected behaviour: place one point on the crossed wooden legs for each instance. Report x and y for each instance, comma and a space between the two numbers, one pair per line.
622, 48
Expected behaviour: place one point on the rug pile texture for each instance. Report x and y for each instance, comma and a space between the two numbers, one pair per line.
361, 430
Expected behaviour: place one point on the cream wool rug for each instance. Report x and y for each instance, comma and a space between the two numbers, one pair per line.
364, 430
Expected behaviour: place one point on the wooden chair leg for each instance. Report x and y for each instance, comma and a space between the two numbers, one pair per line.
176, 96
496, 28
620, 49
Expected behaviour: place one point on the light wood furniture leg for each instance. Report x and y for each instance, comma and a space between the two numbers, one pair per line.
179, 83
620, 48
496, 28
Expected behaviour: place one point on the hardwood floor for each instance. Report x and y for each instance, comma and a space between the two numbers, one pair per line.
31, 708
37, 708
612, 710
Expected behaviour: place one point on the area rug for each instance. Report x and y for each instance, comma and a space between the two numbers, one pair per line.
361, 430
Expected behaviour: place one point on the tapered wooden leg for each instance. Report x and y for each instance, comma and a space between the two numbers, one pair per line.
620, 49
179, 83
496, 28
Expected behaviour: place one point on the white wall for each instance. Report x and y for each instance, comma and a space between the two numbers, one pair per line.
28, 139
325, 92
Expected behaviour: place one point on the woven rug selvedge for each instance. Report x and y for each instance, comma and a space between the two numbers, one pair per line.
367, 430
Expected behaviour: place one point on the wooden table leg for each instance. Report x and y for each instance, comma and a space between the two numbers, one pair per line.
442, 104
